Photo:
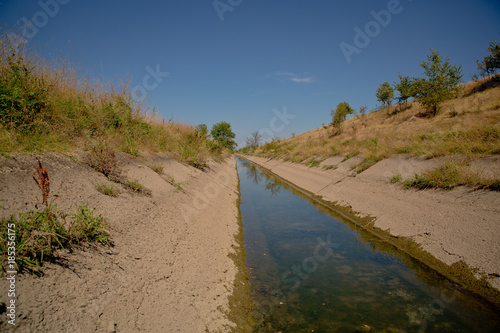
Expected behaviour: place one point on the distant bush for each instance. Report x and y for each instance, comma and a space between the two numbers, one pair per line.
491, 63
385, 94
339, 115
440, 82
222, 133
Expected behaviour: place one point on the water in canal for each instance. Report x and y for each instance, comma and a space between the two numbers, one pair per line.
312, 272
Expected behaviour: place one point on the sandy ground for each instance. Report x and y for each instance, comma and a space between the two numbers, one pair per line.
169, 269
455, 225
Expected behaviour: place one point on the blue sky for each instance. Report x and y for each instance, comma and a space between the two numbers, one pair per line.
262, 65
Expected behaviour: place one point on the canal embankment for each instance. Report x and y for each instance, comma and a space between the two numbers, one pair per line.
176, 263
452, 231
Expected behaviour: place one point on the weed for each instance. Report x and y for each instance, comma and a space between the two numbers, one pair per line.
170, 179
453, 112
368, 162
137, 187
334, 150
102, 158
450, 175
158, 168
346, 157
134, 186
417, 182
39, 234
107, 189
43, 182
86, 227
189, 152
313, 163
330, 167
395, 178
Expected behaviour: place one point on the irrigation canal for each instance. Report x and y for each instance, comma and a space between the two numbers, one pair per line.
313, 272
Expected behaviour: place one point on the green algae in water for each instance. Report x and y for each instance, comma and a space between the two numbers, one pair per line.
311, 272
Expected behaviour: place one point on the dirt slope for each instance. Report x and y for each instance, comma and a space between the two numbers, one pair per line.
169, 270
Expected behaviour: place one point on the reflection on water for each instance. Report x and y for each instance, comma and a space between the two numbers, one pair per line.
312, 272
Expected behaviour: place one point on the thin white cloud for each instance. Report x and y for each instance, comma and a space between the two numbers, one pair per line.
302, 80
293, 77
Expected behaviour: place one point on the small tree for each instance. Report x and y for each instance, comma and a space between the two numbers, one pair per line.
201, 131
385, 94
222, 133
254, 140
338, 116
405, 89
440, 83
491, 63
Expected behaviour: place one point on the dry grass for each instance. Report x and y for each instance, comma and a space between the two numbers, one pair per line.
107, 189
158, 168
47, 106
468, 125
452, 174
137, 187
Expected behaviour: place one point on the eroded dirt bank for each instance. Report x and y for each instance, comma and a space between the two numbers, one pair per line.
453, 226
169, 269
